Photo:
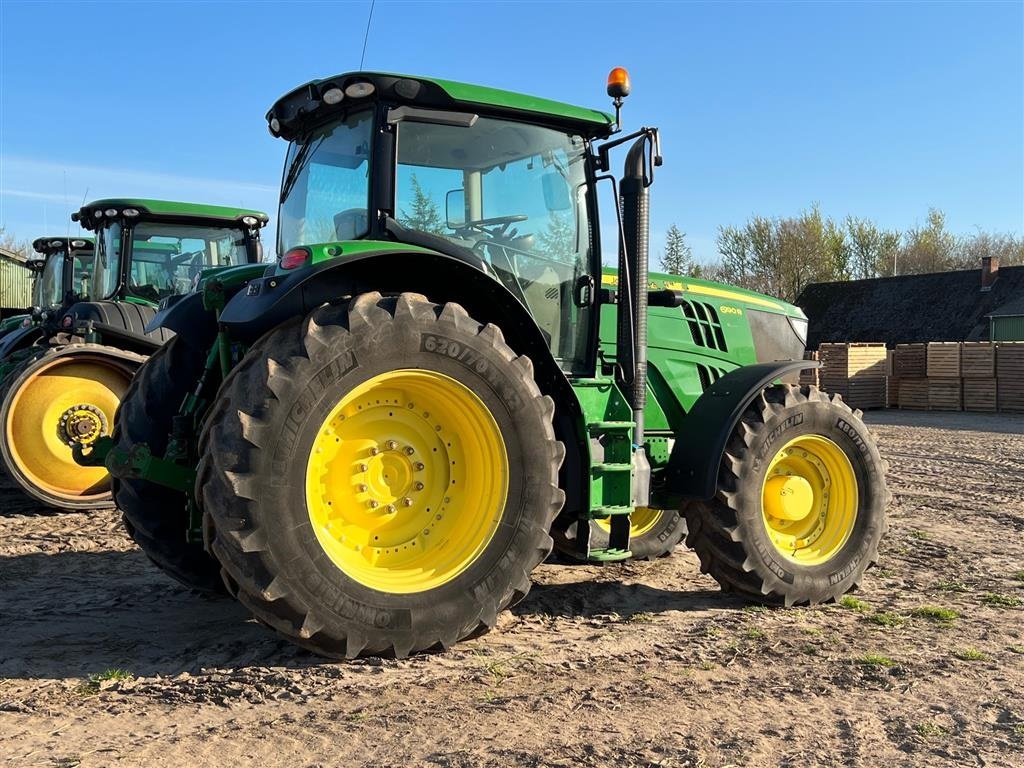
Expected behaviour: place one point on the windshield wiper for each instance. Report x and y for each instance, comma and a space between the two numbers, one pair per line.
296, 167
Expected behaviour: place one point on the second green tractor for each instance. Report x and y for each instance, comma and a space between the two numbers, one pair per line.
373, 444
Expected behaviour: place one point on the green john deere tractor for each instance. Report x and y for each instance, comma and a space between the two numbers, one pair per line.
63, 390
62, 267
380, 438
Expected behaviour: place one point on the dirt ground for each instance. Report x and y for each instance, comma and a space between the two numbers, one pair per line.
631, 665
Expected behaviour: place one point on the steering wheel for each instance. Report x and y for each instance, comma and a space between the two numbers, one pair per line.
181, 258
501, 226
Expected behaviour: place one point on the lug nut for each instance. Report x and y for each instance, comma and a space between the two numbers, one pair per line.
390, 508
407, 501
392, 445
362, 488
363, 467
373, 504
418, 486
419, 466
374, 451
409, 451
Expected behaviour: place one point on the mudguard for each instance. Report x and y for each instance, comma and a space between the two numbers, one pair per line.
188, 314
692, 471
20, 338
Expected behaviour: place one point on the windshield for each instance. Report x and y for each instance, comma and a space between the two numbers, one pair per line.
107, 273
325, 191
166, 258
515, 194
81, 276
51, 281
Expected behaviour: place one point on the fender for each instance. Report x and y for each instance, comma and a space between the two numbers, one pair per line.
188, 314
271, 301
692, 471
20, 338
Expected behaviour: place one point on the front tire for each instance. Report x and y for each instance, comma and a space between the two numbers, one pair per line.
381, 477
653, 533
800, 507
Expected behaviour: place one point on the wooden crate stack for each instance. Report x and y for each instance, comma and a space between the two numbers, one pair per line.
945, 393
910, 369
1010, 376
855, 371
978, 369
810, 375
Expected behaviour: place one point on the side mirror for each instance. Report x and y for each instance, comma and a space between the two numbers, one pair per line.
455, 209
556, 192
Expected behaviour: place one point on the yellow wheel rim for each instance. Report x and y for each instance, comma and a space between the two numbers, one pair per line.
641, 521
407, 481
809, 500
69, 400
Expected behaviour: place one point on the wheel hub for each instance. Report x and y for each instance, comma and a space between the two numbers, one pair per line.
406, 481
788, 497
81, 424
809, 499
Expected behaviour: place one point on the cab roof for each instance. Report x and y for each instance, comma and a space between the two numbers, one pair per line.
47, 245
298, 107
92, 213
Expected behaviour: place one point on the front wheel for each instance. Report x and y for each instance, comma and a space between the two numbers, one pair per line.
800, 506
653, 533
381, 477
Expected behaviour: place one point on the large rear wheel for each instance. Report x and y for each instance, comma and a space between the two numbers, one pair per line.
59, 398
381, 477
157, 518
800, 507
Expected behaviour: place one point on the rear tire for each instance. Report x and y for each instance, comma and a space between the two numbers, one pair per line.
156, 517
292, 467
800, 507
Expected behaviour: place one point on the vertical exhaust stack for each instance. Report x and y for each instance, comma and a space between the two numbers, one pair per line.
635, 203
634, 246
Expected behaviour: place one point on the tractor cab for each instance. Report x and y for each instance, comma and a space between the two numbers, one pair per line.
151, 251
473, 173
66, 269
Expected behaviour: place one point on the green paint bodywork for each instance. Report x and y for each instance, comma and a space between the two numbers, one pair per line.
674, 381
495, 97
10, 323
464, 96
343, 249
230, 277
166, 208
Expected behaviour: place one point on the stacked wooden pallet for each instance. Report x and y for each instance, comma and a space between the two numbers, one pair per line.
810, 375
978, 369
855, 371
909, 369
945, 392
892, 384
1010, 376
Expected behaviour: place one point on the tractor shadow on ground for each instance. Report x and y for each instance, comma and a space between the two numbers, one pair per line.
602, 598
75, 614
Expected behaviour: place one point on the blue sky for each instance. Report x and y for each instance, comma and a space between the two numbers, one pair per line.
875, 109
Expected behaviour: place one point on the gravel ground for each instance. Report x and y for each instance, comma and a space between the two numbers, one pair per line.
643, 664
